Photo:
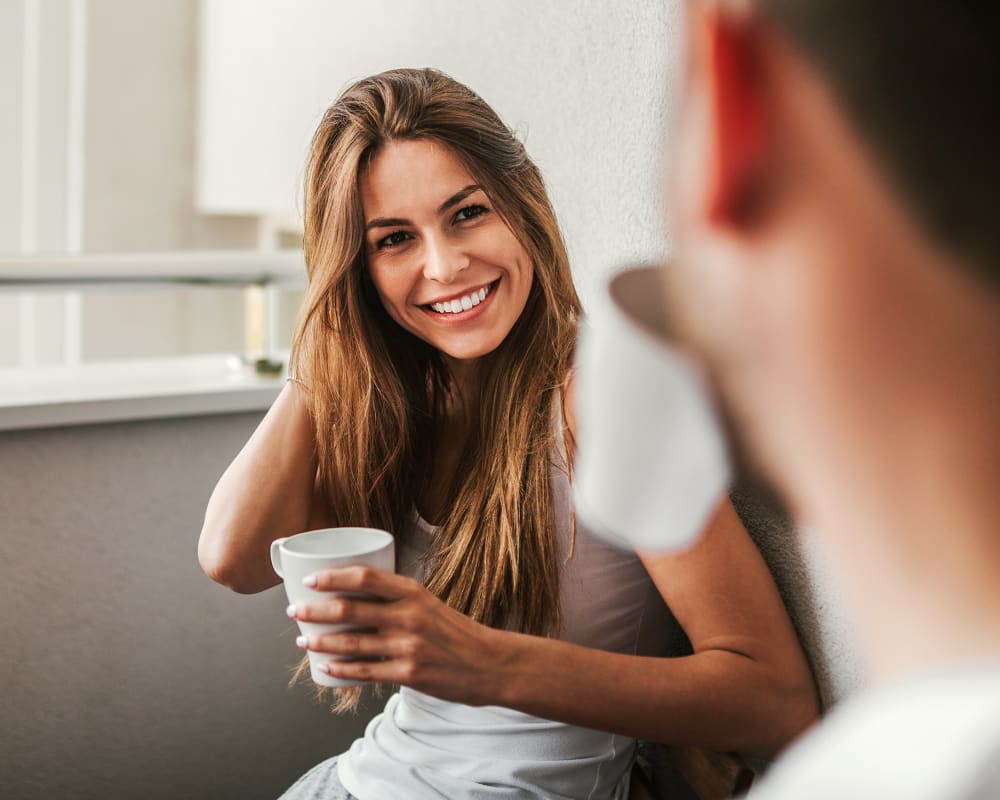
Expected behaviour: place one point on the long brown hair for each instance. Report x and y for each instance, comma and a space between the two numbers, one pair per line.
377, 392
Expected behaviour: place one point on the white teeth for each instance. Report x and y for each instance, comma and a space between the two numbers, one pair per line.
461, 304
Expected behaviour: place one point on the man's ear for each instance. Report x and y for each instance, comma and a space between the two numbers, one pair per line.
735, 126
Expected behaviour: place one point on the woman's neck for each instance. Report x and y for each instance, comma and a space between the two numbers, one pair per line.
450, 439
466, 377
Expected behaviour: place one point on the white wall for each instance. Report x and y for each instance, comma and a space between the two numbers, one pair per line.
585, 84
97, 155
34, 164
11, 61
140, 132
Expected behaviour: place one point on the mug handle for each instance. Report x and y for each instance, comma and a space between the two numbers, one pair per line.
276, 555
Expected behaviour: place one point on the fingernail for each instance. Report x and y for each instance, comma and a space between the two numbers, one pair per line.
291, 611
310, 580
324, 667
302, 641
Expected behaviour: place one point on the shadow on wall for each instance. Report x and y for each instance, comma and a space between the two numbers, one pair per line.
809, 592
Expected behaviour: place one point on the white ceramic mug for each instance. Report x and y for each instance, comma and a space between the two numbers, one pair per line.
652, 462
296, 557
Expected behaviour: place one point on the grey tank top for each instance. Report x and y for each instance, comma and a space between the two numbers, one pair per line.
423, 748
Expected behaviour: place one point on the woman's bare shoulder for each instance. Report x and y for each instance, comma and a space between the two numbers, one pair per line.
569, 403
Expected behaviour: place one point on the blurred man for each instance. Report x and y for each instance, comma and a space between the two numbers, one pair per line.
833, 194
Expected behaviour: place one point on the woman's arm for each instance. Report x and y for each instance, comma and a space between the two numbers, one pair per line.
746, 687
267, 492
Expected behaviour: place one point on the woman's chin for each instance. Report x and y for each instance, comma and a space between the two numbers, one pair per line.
468, 353
465, 356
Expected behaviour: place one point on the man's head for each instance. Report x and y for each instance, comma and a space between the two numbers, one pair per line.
838, 264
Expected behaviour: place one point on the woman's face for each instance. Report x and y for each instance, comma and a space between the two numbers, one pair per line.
447, 267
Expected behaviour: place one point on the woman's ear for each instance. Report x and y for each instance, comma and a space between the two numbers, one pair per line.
735, 123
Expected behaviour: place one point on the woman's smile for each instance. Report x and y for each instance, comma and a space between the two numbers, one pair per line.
462, 307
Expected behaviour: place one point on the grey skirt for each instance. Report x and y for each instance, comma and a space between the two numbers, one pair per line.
320, 783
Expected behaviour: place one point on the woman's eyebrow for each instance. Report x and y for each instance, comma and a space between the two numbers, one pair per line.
458, 197
455, 199
386, 222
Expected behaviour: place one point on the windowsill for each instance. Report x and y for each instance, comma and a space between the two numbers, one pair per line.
172, 268
115, 391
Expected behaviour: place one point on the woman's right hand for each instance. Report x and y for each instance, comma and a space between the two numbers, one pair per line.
268, 491
407, 637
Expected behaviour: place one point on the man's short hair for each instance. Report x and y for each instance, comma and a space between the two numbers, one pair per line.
920, 81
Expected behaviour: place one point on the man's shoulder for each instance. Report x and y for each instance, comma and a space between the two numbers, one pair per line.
936, 736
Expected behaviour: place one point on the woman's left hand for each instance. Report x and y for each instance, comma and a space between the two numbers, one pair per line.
413, 638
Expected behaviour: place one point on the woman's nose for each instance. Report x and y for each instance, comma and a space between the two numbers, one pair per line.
443, 261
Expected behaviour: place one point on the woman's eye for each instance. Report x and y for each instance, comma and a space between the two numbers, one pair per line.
393, 239
470, 212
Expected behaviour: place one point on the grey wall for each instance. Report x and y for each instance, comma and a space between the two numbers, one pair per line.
125, 672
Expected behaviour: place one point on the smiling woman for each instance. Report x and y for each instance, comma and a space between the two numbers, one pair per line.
434, 400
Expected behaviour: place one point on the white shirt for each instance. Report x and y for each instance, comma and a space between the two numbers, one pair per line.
929, 737
422, 748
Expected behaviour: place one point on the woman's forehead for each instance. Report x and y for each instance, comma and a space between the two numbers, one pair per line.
410, 176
